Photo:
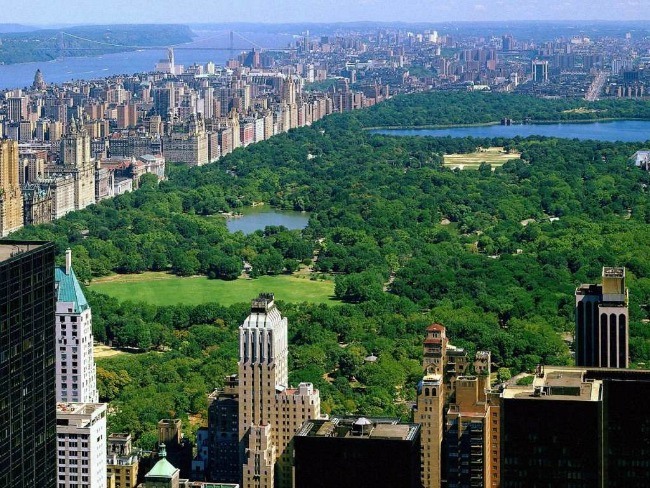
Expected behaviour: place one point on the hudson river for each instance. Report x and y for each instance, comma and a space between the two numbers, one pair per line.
94, 67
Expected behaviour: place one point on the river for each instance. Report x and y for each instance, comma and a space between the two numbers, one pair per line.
94, 67
618, 130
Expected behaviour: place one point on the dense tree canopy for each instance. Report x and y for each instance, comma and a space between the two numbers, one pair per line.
493, 255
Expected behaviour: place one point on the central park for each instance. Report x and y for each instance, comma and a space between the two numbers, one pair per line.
403, 238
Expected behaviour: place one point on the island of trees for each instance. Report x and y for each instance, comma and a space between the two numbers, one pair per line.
494, 254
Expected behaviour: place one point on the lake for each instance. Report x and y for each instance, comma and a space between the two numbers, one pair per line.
257, 218
618, 130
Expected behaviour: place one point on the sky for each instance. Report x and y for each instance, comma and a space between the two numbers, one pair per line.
43, 12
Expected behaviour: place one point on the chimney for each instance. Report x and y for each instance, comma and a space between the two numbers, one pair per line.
68, 261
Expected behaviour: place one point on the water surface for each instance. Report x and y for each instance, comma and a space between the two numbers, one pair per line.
618, 130
257, 218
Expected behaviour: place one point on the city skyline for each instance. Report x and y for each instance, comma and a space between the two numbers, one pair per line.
41, 12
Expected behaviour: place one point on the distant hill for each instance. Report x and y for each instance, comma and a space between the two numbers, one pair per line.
46, 44
6, 28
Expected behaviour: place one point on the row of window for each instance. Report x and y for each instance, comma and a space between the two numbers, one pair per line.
62, 455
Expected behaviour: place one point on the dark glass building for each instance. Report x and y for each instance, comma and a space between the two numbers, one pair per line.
626, 426
27, 369
552, 431
357, 452
602, 322
224, 457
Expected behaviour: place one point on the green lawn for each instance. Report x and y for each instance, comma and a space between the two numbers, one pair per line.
491, 155
166, 289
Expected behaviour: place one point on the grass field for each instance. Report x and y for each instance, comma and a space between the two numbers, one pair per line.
491, 155
166, 289
103, 351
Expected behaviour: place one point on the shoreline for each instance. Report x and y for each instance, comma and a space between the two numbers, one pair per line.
514, 123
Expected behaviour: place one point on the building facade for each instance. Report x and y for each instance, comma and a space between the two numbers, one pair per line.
27, 345
224, 455
75, 363
11, 197
357, 452
121, 461
442, 363
602, 322
270, 413
552, 431
77, 161
81, 438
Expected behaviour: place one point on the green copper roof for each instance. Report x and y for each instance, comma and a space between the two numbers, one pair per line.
69, 290
162, 469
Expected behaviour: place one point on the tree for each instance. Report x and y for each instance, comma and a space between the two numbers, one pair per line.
504, 374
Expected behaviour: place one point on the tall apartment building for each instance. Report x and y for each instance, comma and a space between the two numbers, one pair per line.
75, 363
121, 461
81, 437
270, 413
78, 161
27, 394
468, 434
540, 71
187, 143
577, 427
224, 454
17, 108
625, 428
602, 321
453, 409
430, 405
11, 198
552, 431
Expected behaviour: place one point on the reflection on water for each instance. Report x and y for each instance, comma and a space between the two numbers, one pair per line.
258, 218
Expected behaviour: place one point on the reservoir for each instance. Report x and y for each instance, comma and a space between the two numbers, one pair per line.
618, 130
257, 218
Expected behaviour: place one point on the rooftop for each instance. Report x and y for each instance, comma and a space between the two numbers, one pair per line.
10, 249
558, 383
359, 428
68, 289
79, 408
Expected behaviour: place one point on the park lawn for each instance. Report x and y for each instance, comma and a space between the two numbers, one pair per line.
167, 289
104, 351
491, 155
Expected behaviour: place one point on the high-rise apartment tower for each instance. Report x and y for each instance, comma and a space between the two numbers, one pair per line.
27, 395
602, 322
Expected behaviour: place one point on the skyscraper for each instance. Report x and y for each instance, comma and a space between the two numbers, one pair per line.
81, 438
540, 71
27, 393
11, 197
270, 413
552, 431
430, 405
75, 364
602, 328
469, 428
78, 161
224, 456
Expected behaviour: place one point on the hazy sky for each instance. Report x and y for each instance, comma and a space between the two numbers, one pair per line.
277, 11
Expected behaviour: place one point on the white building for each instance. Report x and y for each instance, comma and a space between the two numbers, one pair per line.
75, 364
81, 438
